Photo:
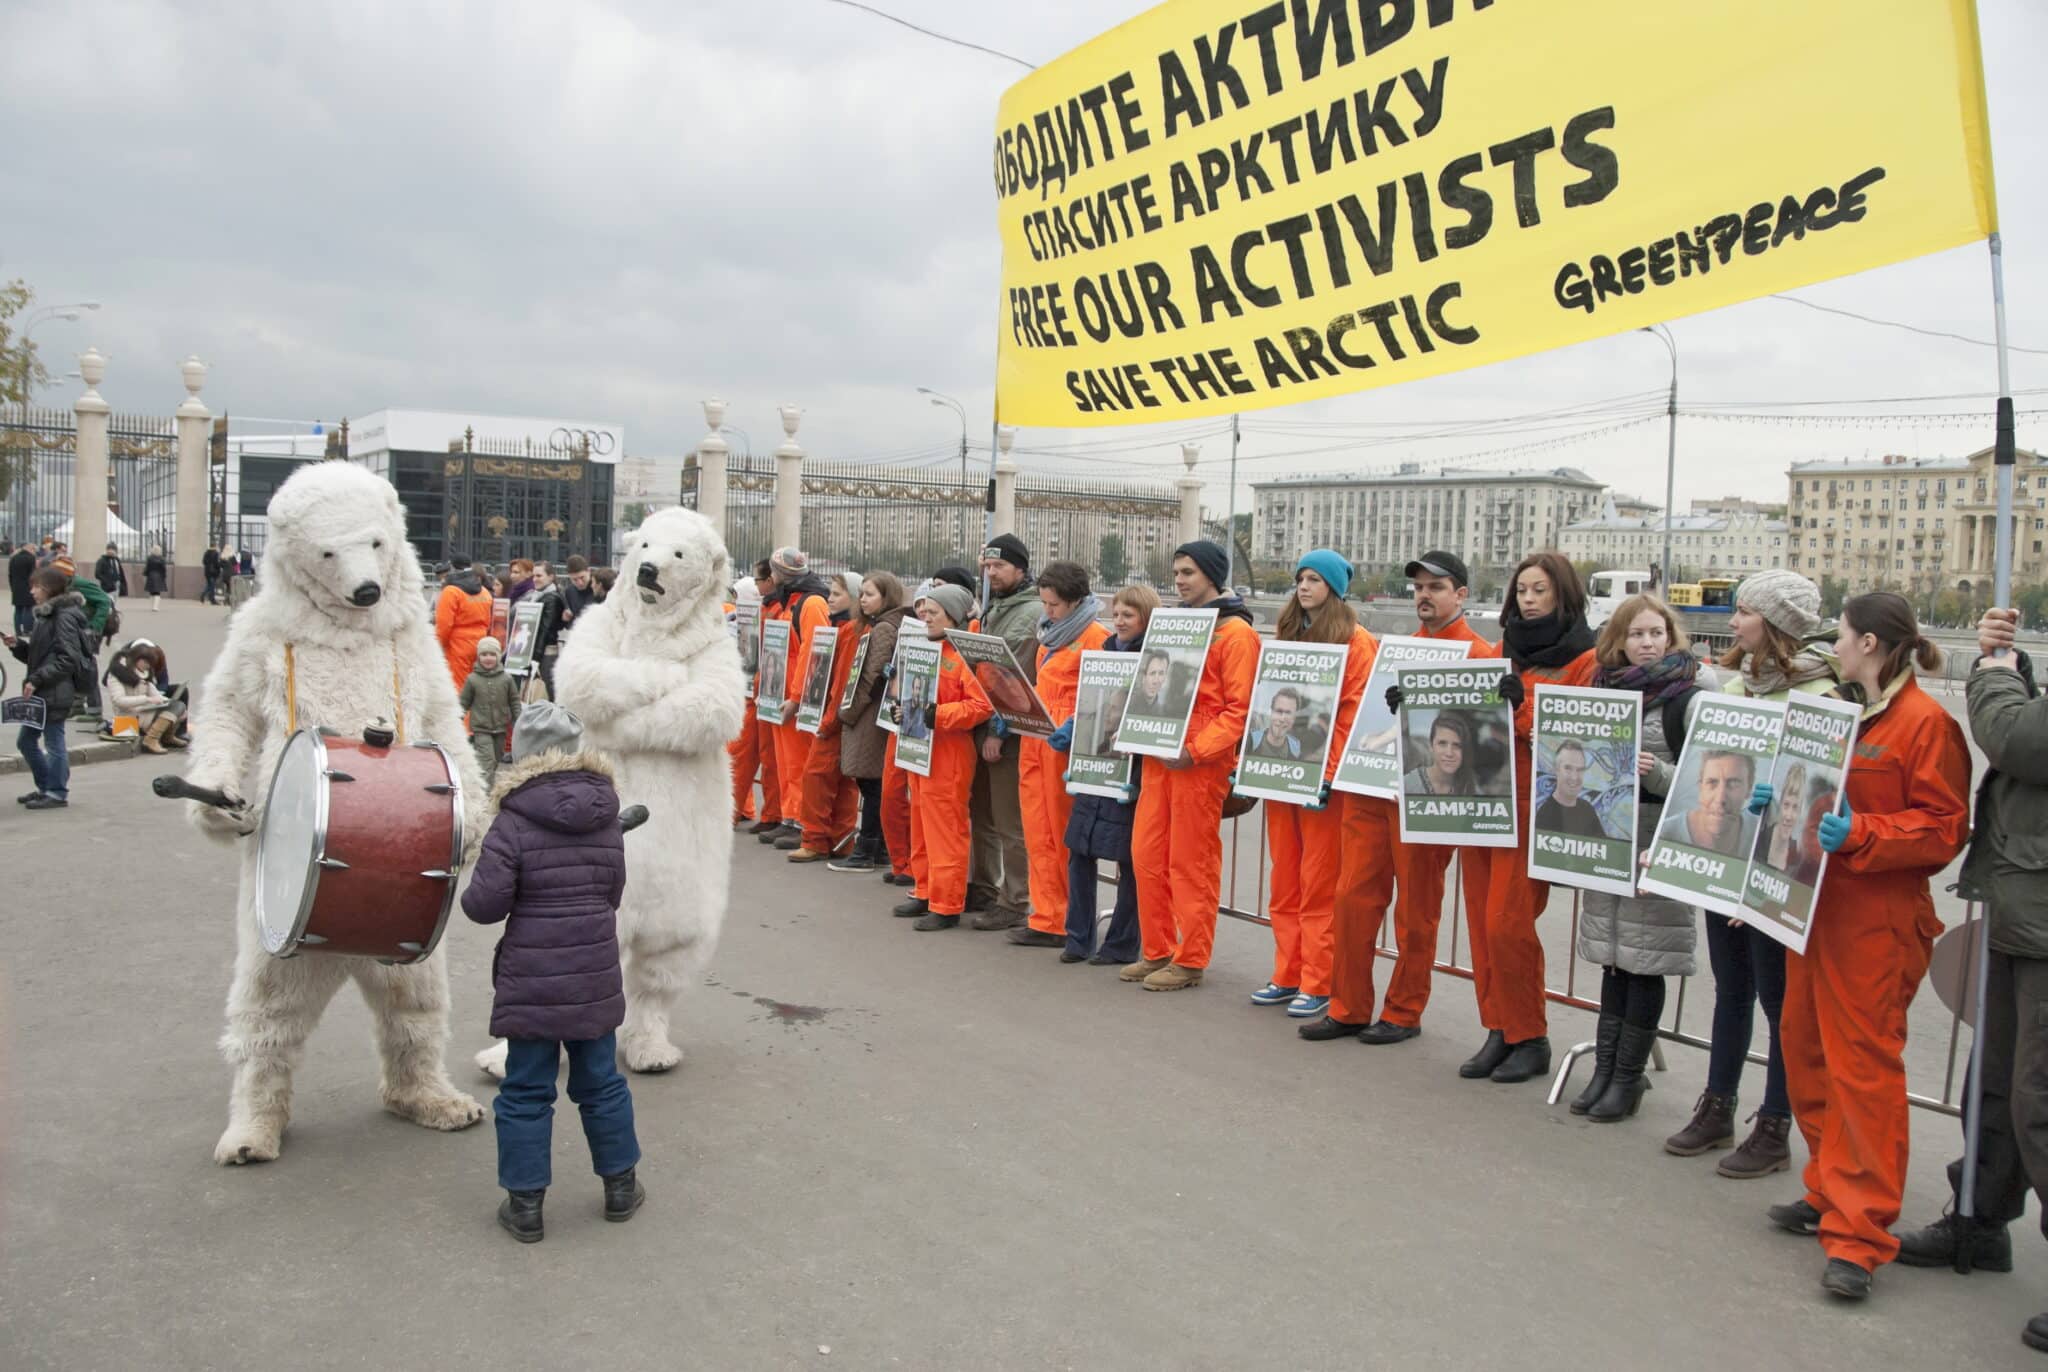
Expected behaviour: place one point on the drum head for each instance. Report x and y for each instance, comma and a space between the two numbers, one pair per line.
294, 833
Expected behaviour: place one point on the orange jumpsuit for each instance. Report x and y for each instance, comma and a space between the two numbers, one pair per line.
939, 830
460, 622
831, 801
1042, 786
1307, 851
1507, 956
745, 752
1844, 1021
1176, 837
896, 814
792, 746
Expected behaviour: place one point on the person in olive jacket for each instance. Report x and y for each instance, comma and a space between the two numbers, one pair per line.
2006, 867
57, 658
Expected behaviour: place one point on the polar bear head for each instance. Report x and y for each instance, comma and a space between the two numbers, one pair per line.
673, 564
337, 543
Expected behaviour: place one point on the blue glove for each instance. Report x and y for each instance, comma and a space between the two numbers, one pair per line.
1834, 828
999, 727
1130, 793
889, 672
1062, 739
1322, 799
1760, 797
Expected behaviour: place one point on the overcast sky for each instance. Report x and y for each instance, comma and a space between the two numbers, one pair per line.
618, 208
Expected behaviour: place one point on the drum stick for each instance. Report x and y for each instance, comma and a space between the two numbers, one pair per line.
177, 788
632, 817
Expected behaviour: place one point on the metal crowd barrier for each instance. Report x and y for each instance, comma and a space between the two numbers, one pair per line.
1947, 1103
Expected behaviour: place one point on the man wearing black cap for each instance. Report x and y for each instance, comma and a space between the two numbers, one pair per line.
1374, 861
999, 872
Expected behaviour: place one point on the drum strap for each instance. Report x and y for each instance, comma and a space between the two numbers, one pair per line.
291, 694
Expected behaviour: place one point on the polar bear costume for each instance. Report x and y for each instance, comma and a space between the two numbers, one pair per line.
656, 680
342, 587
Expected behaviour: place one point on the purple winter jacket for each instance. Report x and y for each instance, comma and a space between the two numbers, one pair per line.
555, 862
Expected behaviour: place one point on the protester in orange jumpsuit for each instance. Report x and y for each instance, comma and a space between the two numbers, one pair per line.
799, 597
1177, 841
1067, 630
1905, 817
831, 801
939, 828
1305, 840
1547, 642
462, 616
1374, 861
745, 748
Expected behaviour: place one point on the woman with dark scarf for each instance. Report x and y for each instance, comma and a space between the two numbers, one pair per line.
1639, 940
1547, 643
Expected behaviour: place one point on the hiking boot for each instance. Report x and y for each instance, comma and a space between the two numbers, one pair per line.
1327, 1030
1142, 968
808, 855
1765, 1150
911, 908
1529, 1058
1713, 1126
1491, 1054
933, 921
1382, 1031
1036, 938
623, 1195
1795, 1217
1173, 977
997, 917
1604, 1038
519, 1215
1845, 1280
1625, 1090
1938, 1244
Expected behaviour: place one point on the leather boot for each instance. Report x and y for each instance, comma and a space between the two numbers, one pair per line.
1625, 1092
1529, 1058
1491, 1054
153, 736
623, 1194
520, 1215
1765, 1150
1713, 1126
1604, 1039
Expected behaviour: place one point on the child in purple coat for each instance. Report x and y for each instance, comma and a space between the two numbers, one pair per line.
554, 862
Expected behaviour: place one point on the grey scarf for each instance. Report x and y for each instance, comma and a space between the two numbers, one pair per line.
1763, 681
1055, 634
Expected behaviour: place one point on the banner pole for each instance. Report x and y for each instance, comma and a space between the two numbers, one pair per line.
1230, 516
2004, 456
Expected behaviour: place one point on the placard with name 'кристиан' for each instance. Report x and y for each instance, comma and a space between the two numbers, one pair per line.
1371, 764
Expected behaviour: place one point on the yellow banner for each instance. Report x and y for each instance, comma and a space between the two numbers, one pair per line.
1229, 204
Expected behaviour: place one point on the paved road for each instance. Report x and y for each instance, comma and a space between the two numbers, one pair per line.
919, 1151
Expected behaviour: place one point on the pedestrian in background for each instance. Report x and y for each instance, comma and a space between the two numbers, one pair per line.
490, 701
156, 577
21, 565
56, 656
111, 575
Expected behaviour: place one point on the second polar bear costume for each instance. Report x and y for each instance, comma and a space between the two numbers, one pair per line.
656, 680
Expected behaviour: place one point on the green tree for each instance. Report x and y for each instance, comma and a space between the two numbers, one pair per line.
634, 514
1833, 591
1159, 567
21, 371
1112, 560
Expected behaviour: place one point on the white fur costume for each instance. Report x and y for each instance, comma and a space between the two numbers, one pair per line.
656, 680
334, 528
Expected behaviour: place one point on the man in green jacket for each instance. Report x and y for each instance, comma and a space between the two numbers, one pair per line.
999, 874
2006, 867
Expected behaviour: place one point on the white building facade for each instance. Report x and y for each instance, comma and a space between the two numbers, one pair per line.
1704, 543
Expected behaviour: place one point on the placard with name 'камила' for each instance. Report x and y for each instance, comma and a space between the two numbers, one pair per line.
1457, 756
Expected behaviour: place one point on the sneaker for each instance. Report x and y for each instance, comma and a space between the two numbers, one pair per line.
1142, 968
852, 862
1272, 993
933, 921
1386, 1031
1795, 1217
1173, 977
1846, 1280
48, 803
1307, 1007
1939, 1243
25, 799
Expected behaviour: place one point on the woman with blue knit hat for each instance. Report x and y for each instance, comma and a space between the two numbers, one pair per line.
1304, 840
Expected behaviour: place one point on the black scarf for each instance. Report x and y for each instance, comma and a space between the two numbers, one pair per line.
1546, 641
1230, 607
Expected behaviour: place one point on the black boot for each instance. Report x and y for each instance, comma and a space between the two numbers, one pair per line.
623, 1194
1604, 1039
1491, 1054
1529, 1058
1625, 1092
519, 1216
912, 908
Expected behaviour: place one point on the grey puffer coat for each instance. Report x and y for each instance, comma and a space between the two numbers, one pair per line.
1651, 936
863, 743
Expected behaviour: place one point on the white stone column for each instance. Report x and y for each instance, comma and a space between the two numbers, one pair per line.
789, 482
188, 539
89, 471
712, 453
1190, 494
1006, 481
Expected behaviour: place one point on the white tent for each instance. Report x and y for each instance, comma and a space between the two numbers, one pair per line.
116, 527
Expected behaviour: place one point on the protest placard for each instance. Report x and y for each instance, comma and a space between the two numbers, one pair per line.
1094, 767
1293, 710
747, 630
519, 637
1786, 863
1003, 680
771, 678
1163, 694
810, 706
1585, 787
917, 683
1371, 765
860, 658
1700, 854
1457, 755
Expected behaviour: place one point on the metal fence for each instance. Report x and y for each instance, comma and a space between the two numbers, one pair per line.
38, 466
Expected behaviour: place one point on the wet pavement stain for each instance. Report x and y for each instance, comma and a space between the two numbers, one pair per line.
786, 1013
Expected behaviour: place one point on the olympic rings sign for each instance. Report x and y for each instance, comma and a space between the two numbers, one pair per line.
582, 442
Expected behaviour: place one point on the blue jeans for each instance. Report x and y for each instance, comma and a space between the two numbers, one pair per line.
24, 620
525, 1109
1120, 944
1748, 968
48, 755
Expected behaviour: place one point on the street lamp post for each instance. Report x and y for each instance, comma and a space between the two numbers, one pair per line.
42, 315
1663, 335
961, 410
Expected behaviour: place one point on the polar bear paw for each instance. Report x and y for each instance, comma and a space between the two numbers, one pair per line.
491, 1061
651, 1053
249, 1141
436, 1110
